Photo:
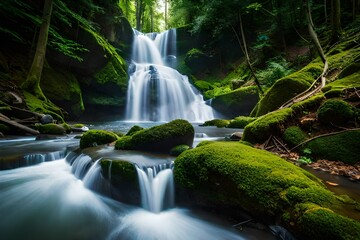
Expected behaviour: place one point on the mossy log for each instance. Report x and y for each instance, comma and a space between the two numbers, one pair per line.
19, 126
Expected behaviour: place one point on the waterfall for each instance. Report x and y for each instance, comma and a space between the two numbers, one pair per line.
157, 187
156, 91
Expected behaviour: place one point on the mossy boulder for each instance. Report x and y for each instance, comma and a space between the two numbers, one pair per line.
294, 135
63, 89
272, 123
133, 130
220, 123
197, 60
240, 122
51, 128
97, 137
316, 222
342, 147
177, 150
240, 101
335, 111
286, 88
160, 138
235, 176
123, 178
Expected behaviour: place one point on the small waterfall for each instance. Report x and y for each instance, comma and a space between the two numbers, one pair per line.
81, 165
157, 92
36, 158
157, 187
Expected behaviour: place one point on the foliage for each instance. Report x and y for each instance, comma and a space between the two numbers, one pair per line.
336, 112
94, 138
276, 68
220, 123
241, 122
294, 135
306, 157
342, 147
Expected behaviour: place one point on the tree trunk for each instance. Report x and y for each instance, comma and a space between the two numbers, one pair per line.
325, 11
335, 21
248, 58
139, 13
32, 83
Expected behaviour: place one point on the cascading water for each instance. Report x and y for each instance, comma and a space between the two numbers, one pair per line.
157, 187
156, 91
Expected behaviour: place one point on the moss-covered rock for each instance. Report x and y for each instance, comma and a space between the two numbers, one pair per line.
240, 122
233, 175
46, 107
270, 124
133, 130
51, 128
177, 150
123, 178
340, 147
241, 101
97, 137
308, 105
294, 135
288, 87
335, 111
316, 222
220, 123
63, 89
160, 138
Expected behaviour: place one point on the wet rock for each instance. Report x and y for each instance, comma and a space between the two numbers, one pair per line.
47, 119
236, 136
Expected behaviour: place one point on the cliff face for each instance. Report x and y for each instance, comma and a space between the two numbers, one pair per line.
95, 80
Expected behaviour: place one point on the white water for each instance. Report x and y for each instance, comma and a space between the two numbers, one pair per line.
157, 92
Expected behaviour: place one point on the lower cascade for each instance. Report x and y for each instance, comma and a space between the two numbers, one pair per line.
156, 91
56, 200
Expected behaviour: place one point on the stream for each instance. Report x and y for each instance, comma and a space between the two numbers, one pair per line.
58, 195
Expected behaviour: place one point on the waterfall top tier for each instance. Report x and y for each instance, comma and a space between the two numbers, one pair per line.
156, 91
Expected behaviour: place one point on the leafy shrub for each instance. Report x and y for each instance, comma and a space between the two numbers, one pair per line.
276, 68
336, 112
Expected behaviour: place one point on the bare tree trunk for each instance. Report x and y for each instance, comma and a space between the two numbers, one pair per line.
139, 13
325, 11
247, 56
335, 21
32, 83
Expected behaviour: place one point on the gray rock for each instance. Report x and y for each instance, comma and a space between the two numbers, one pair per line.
46, 119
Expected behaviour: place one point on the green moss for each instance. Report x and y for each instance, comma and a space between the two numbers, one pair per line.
121, 170
97, 137
51, 128
321, 223
241, 122
220, 123
308, 105
267, 125
288, 87
160, 138
340, 147
177, 150
351, 81
111, 74
133, 130
335, 111
233, 174
203, 85
46, 107
78, 125
63, 89
67, 127
294, 136
239, 101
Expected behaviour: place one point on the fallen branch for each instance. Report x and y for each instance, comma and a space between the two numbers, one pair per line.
323, 135
23, 128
